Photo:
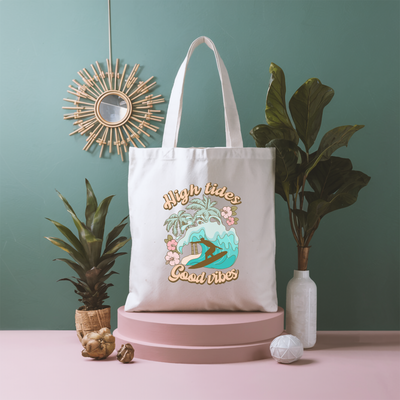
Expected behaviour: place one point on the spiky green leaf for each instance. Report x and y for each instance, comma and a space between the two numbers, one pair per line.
91, 204
69, 235
66, 204
116, 245
78, 257
106, 268
115, 231
79, 286
107, 259
91, 244
76, 267
113, 243
105, 277
99, 220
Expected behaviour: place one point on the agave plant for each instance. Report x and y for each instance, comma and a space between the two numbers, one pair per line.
89, 262
312, 183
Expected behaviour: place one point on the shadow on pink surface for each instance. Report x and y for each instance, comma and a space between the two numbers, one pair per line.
303, 361
334, 340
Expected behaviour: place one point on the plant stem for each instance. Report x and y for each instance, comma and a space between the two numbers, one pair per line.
312, 233
291, 224
296, 219
302, 192
302, 257
303, 186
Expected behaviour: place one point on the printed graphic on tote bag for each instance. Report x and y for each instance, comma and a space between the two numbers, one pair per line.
202, 235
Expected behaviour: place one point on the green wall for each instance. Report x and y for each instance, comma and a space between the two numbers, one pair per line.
352, 46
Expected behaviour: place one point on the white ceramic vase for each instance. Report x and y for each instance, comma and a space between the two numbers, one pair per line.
301, 308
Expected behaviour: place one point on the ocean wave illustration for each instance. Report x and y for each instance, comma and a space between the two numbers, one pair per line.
226, 242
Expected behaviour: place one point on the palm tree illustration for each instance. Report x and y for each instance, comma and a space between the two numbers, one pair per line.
205, 210
179, 222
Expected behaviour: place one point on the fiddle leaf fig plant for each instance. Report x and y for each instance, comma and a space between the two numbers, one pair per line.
312, 183
88, 261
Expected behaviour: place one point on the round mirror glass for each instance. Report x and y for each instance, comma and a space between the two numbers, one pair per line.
113, 108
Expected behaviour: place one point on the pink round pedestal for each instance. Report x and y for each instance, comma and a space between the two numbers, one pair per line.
199, 337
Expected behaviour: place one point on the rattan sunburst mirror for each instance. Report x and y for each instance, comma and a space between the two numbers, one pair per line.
113, 108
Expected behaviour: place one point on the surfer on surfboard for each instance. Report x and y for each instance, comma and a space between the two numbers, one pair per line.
211, 247
209, 256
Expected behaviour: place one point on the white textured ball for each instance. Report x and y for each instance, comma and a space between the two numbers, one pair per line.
286, 349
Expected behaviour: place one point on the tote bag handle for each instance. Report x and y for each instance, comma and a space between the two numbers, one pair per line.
174, 113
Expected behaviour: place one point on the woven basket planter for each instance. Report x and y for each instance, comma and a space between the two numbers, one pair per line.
91, 321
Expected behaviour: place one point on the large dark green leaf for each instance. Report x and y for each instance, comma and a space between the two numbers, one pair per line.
290, 186
328, 176
91, 204
263, 134
301, 216
345, 196
76, 267
79, 258
306, 107
115, 232
315, 212
275, 110
69, 235
311, 196
333, 140
287, 155
279, 189
99, 219
90, 243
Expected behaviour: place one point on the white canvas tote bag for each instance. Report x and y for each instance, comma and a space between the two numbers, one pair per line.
202, 219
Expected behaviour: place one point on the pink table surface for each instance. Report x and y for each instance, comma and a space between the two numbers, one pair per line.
342, 366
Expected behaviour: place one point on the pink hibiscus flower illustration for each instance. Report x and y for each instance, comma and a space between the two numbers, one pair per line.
172, 258
226, 212
171, 245
230, 221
